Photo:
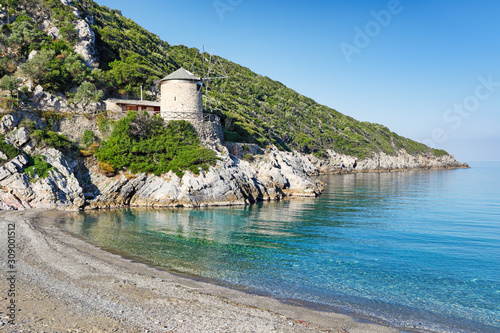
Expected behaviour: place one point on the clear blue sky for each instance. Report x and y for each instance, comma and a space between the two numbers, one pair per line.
429, 70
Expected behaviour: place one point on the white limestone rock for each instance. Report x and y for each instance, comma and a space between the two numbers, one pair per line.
86, 45
32, 54
84, 31
20, 137
46, 101
8, 123
17, 164
57, 159
4, 173
53, 32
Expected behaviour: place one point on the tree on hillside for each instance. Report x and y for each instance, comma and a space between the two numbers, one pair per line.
87, 93
37, 68
25, 35
56, 70
10, 83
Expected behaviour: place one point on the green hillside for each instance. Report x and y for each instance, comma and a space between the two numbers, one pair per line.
254, 108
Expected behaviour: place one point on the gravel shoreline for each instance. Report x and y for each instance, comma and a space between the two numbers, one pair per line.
64, 284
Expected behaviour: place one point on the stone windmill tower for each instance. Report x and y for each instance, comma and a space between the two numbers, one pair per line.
181, 96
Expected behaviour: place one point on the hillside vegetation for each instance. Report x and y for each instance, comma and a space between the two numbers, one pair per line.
254, 108
141, 143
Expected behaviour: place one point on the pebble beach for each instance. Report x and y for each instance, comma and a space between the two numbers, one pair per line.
63, 284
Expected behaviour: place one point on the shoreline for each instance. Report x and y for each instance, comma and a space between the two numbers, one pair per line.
63, 279
290, 194
347, 172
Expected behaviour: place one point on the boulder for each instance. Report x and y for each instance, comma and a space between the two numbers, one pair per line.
17, 164
46, 101
32, 54
8, 123
20, 137
4, 173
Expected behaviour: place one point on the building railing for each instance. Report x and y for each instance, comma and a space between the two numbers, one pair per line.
212, 118
179, 115
196, 116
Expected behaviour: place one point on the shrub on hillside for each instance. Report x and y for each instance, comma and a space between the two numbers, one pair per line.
88, 138
439, 152
9, 150
142, 143
38, 166
52, 139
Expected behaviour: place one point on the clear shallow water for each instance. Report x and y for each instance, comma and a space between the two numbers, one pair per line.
413, 249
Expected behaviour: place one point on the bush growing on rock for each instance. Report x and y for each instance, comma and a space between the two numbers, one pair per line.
142, 143
88, 138
28, 124
105, 124
107, 168
87, 93
52, 139
10, 83
9, 150
39, 166
55, 71
248, 157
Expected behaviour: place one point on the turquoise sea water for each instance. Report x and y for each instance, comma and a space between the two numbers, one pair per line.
415, 250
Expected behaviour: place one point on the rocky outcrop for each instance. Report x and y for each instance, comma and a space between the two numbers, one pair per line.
73, 183
339, 163
61, 189
74, 127
230, 182
86, 44
86, 38
243, 174
43, 100
8, 123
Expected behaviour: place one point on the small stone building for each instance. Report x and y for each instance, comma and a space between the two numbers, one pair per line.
181, 96
181, 99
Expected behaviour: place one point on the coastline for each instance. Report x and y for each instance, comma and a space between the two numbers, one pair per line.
286, 193
63, 279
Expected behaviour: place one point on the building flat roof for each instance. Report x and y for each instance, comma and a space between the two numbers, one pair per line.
133, 102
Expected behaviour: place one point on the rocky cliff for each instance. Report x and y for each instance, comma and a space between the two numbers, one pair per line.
74, 182
244, 174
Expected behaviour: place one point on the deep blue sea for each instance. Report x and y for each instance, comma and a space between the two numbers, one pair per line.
415, 250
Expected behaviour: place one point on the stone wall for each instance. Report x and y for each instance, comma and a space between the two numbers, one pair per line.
210, 132
180, 96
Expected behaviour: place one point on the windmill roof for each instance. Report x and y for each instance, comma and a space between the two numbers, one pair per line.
181, 74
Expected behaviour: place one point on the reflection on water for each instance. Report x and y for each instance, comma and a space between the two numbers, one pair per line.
410, 248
